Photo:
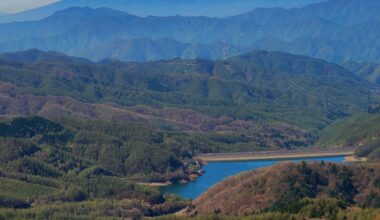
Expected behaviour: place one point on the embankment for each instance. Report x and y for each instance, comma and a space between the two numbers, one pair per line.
281, 154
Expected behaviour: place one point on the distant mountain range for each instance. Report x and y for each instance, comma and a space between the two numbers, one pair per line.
221, 8
335, 30
146, 49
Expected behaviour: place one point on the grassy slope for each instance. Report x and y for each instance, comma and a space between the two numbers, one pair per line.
361, 130
368, 71
23, 190
352, 131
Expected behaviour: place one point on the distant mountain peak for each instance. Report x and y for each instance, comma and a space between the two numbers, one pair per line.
85, 13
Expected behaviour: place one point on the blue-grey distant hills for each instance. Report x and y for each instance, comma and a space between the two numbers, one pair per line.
146, 49
368, 71
221, 8
335, 30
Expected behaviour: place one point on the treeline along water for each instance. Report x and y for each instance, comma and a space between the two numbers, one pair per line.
217, 171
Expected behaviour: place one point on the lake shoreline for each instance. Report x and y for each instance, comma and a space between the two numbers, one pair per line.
347, 153
219, 170
274, 155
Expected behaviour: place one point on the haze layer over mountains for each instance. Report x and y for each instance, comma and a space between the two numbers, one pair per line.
335, 30
220, 8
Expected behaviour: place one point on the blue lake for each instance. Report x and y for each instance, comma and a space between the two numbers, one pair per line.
217, 171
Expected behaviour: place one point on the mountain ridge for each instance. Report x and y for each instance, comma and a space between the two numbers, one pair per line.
162, 8
254, 82
325, 33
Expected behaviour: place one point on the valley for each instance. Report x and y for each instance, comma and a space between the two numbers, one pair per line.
206, 110
70, 125
216, 171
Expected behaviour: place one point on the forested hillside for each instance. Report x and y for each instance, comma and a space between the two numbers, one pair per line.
260, 99
315, 190
256, 86
119, 148
108, 106
104, 126
52, 167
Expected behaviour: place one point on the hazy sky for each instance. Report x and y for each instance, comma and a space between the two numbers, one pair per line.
11, 6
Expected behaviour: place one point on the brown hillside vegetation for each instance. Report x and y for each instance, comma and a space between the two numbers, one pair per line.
287, 187
257, 101
15, 102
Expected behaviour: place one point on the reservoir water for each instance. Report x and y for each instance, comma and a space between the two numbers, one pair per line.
217, 171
